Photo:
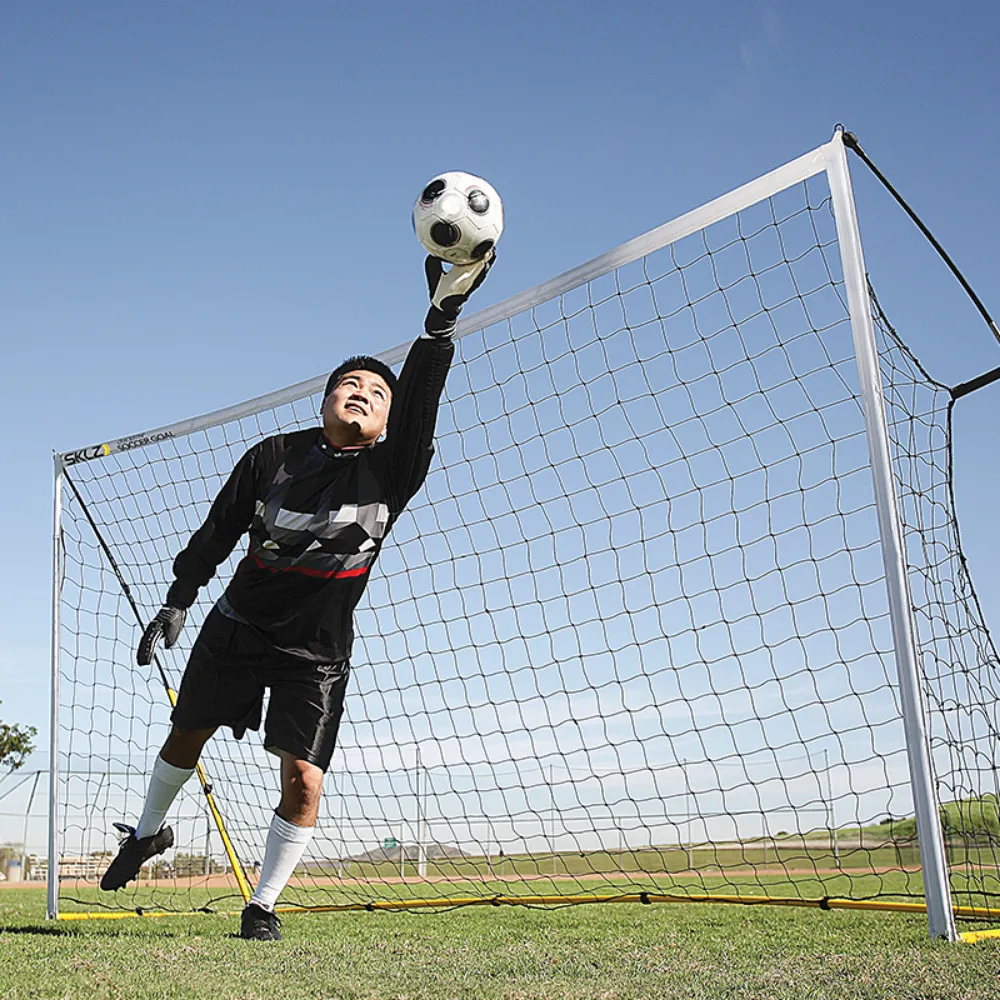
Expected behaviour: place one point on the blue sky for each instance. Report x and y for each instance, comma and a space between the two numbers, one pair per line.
207, 202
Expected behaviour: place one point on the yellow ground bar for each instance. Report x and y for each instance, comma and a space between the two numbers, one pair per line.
234, 862
971, 937
640, 897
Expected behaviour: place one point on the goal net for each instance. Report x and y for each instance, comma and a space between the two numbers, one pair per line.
634, 638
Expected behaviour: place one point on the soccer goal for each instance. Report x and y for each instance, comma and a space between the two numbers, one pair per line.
680, 614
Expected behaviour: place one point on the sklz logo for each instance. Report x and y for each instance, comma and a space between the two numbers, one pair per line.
125, 444
140, 441
86, 454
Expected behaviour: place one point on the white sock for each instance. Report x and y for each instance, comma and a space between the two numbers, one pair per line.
164, 784
285, 844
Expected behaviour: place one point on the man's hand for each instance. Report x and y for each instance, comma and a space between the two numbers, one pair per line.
450, 291
167, 626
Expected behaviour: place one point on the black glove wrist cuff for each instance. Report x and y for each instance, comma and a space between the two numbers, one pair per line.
181, 595
436, 324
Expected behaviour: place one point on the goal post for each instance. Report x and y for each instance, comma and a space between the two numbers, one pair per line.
680, 614
52, 882
941, 919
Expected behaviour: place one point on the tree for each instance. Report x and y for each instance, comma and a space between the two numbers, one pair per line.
15, 744
10, 852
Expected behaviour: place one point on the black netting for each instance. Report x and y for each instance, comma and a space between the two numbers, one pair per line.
960, 667
632, 636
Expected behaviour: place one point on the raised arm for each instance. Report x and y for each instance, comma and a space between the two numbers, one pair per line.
409, 444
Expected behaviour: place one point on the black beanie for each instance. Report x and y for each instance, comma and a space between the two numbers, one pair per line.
361, 363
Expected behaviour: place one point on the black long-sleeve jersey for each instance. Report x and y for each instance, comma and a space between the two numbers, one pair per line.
317, 517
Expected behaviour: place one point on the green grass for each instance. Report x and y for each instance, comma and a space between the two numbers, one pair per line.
599, 952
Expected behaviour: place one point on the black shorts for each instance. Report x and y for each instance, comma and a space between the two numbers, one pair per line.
230, 666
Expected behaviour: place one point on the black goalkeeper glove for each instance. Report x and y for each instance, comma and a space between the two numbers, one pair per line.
167, 626
450, 291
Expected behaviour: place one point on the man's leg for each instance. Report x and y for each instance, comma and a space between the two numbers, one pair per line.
219, 688
291, 827
302, 723
173, 766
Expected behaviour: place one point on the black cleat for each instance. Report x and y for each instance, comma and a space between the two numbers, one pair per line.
258, 924
133, 854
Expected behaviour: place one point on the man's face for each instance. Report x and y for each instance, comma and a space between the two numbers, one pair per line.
356, 409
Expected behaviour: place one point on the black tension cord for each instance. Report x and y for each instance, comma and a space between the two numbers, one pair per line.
114, 568
987, 378
851, 142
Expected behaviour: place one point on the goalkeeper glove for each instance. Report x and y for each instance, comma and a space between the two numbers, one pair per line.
450, 291
167, 626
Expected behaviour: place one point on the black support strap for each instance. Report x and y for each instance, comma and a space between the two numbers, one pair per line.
851, 142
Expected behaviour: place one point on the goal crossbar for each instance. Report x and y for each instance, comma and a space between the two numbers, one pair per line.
773, 182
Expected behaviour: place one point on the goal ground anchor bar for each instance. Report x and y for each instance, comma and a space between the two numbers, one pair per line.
969, 912
241, 879
971, 937
220, 825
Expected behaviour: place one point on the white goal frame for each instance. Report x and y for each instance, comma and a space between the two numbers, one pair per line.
830, 159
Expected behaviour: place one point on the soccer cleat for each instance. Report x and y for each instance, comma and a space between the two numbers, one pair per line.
258, 924
133, 854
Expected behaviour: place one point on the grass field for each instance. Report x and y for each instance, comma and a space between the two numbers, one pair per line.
598, 952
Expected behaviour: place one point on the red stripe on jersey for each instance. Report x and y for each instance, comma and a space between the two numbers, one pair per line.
336, 574
341, 574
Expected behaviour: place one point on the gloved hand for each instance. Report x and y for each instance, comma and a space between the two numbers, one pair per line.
167, 626
449, 292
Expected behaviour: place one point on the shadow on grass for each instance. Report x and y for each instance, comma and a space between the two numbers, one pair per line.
42, 929
135, 930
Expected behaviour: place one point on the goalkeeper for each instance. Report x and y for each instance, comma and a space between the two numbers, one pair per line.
318, 505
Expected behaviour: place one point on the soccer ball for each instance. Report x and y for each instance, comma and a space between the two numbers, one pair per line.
458, 217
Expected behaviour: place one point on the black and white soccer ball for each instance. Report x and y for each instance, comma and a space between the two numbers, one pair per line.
458, 217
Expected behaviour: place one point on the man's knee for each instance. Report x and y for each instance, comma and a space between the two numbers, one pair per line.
183, 746
301, 790
304, 780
